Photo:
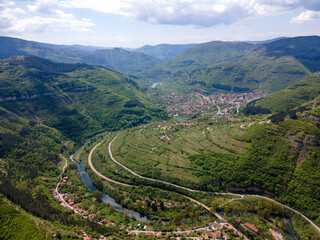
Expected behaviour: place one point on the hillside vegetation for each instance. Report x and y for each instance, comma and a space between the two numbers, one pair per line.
226, 66
164, 51
77, 99
266, 158
294, 95
116, 59
46, 109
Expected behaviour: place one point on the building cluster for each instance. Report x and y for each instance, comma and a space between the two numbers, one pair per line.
67, 202
193, 104
221, 231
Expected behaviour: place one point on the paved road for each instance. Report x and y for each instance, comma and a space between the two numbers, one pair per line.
128, 185
101, 175
151, 179
209, 100
193, 190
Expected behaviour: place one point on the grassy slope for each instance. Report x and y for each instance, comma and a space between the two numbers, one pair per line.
294, 95
280, 158
148, 155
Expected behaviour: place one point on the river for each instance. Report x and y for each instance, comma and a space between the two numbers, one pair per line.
105, 197
179, 118
155, 84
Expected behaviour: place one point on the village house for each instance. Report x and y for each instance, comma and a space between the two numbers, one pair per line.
218, 234
252, 227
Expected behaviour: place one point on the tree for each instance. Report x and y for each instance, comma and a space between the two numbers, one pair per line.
214, 205
282, 224
276, 221
98, 183
177, 218
125, 214
191, 216
98, 195
266, 213
197, 215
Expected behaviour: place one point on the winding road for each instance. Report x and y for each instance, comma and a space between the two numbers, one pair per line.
101, 175
209, 100
151, 179
193, 190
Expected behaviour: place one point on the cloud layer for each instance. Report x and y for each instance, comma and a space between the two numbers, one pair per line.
193, 12
47, 14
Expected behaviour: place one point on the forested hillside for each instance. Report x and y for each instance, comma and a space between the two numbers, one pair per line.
46, 109
115, 59
238, 67
79, 100
294, 95
164, 51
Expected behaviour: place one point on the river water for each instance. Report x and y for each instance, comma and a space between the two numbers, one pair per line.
105, 197
181, 119
155, 84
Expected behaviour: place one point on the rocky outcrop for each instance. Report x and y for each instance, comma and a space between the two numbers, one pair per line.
313, 118
300, 141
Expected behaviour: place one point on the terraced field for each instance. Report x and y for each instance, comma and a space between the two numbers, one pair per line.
163, 150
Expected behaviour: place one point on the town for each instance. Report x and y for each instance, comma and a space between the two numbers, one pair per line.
191, 105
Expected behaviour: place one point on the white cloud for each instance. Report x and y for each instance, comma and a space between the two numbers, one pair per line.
39, 24
7, 18
49, 7
5, 3
44, 6
306, 16
60, 21
191, 12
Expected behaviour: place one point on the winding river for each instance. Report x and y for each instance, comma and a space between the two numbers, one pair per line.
155, 84
105, 197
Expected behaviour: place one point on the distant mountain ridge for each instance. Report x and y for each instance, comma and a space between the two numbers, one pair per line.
128, 62
214, 66
164, 51
270, 66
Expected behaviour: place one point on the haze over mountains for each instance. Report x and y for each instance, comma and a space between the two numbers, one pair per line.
212, 66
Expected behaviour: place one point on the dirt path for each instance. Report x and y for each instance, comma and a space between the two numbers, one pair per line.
101, 175
193, 190
66, 164
127, 185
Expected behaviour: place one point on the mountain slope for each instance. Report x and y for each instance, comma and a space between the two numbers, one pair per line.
124, 61
77, 99
203, 55
116, 59
270, 66
305, 49
294, 95
164, 51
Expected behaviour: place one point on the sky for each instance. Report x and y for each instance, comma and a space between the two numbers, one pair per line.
134, 23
